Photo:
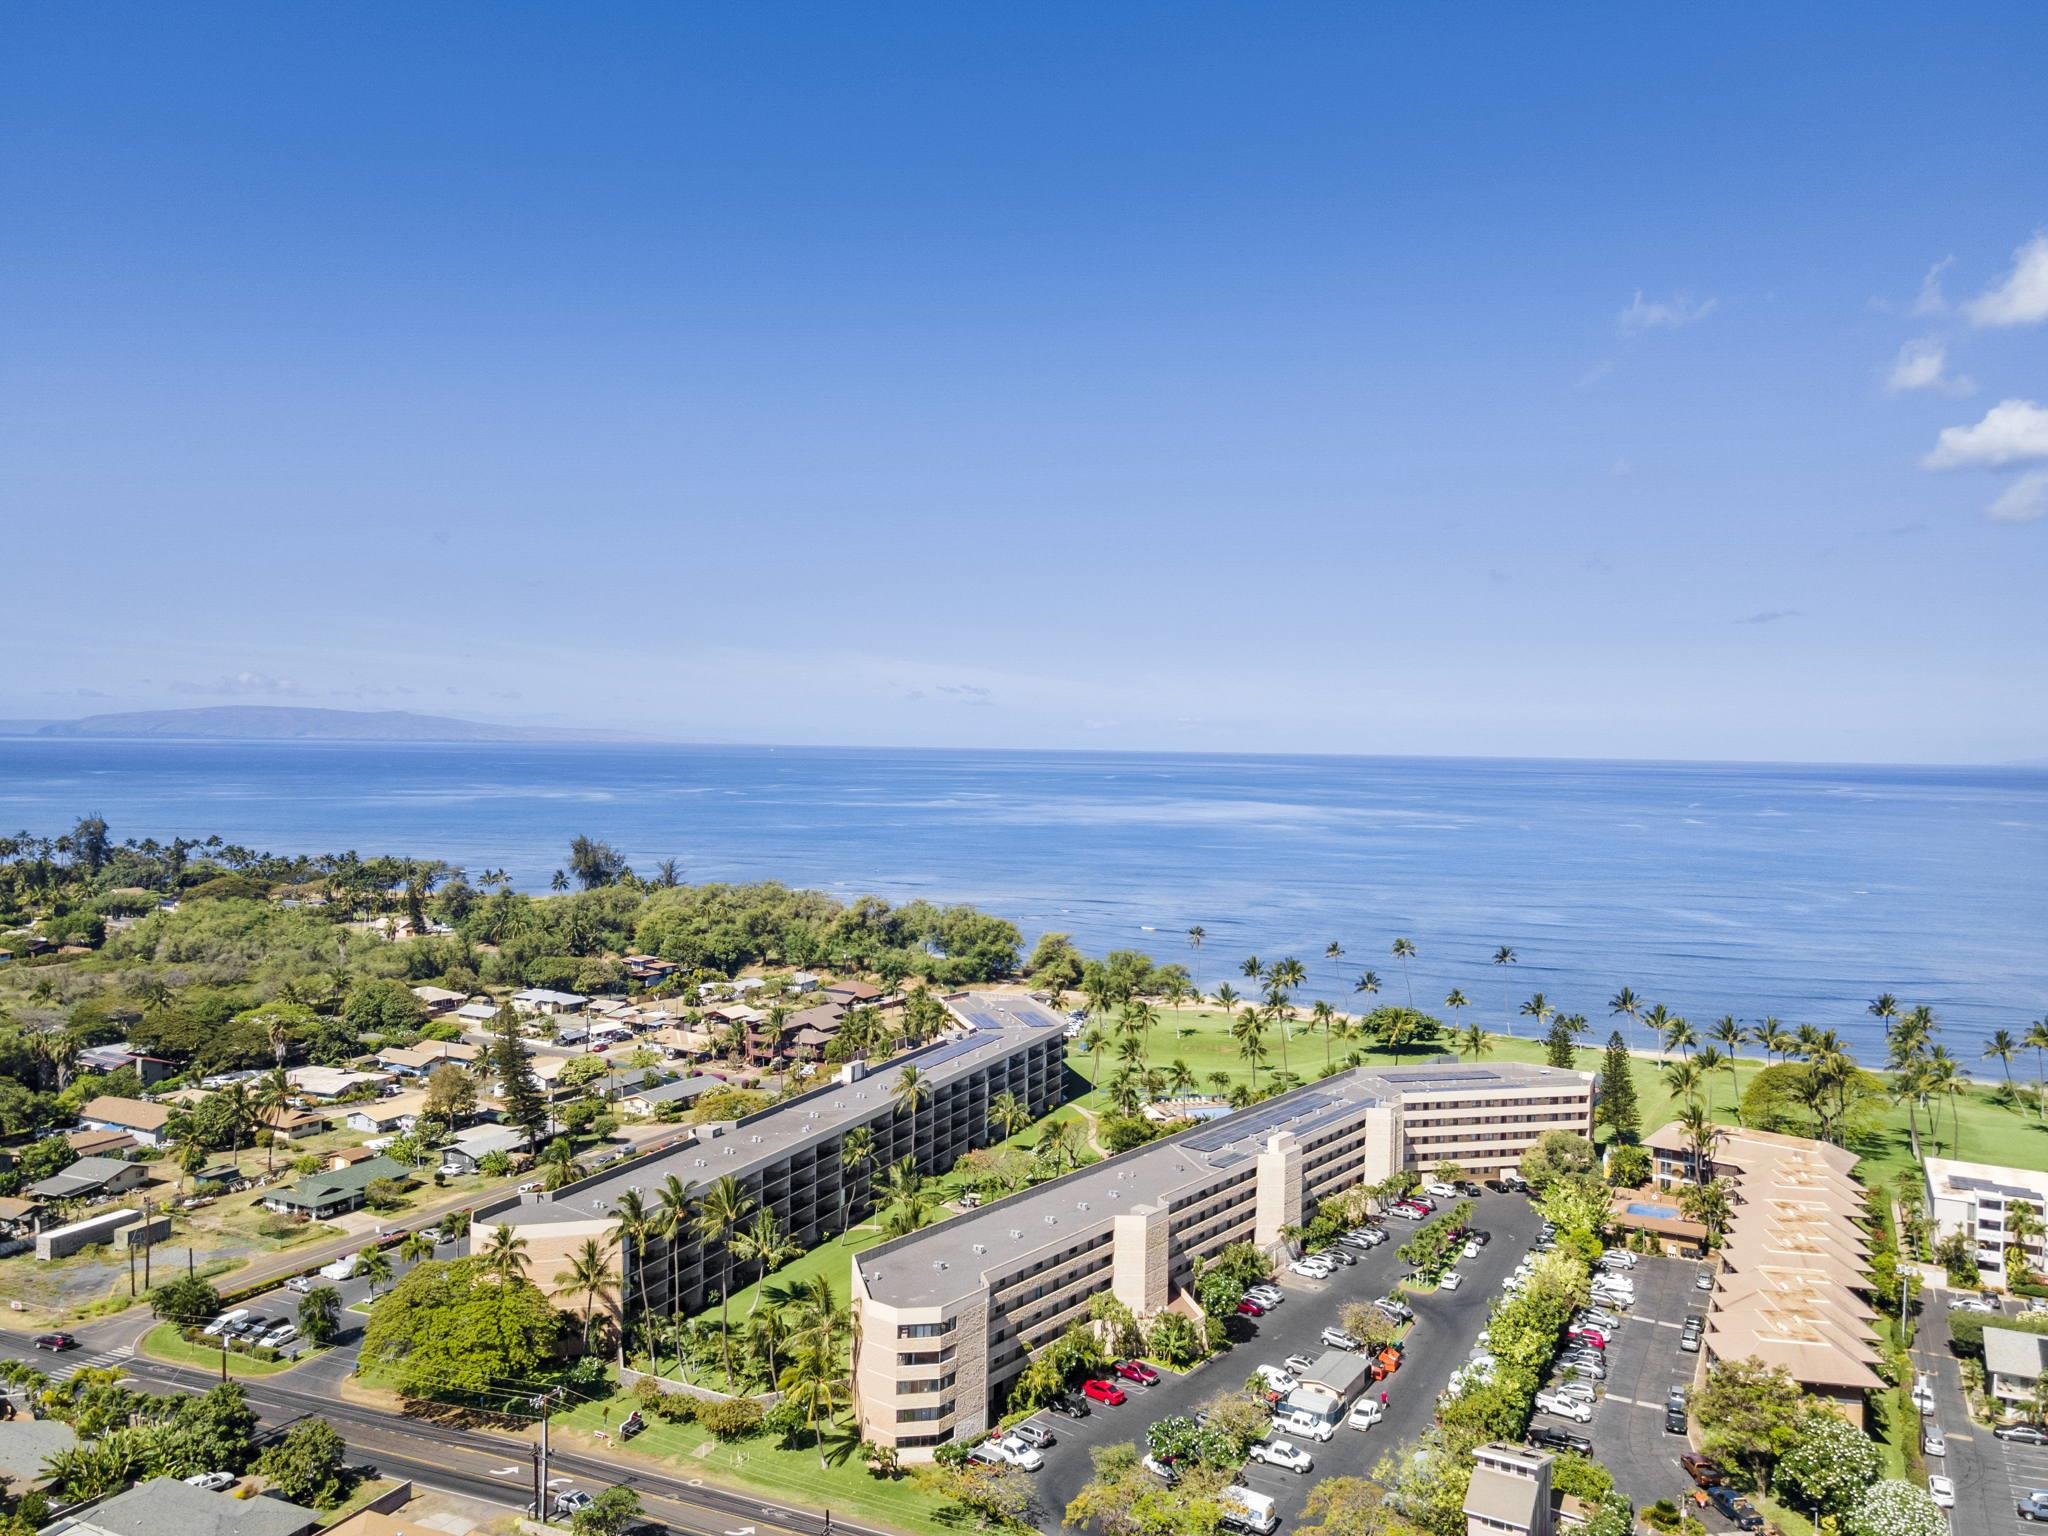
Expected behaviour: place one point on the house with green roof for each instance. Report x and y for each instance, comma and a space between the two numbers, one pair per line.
329, 1193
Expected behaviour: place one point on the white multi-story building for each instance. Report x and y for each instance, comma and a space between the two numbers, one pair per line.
1978, 1199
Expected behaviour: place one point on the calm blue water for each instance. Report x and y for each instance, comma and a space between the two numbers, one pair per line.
1798, 891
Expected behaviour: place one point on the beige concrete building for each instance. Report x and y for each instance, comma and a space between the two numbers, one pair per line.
1976, 1199
946, 1318
1509, 1492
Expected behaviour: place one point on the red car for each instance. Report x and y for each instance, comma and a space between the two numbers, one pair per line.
1250, 1308
1103, 1392
1138, 1371
1587, 1335
55, 1342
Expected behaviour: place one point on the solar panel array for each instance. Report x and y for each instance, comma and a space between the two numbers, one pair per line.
1989, 1187
949, 1051
1257, 1122
1430, 1077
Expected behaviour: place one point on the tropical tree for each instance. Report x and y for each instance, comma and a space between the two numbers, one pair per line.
2024, 1230
912, 1092
1885, 1009
2036, 1040
373, 1265
1008, 1114
1731, 1037
632, 1219
1680, 1036
1196, 935
1248, 1029
815, 1381
504, 1255
1473, 1041
273, 1099
856, 1158
1538, 1008
2001, 1046
1403, 950
1625, 1004
416, 1247
724, 1206
589, 1275
1505, 957
1321, 1017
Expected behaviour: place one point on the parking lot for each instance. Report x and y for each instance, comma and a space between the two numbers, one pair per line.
1991, 1475
1644, 1363
1447, 1323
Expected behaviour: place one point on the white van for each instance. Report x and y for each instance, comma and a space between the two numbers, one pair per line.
1246, 1509
342, 1268
224, 1322
1278, 1382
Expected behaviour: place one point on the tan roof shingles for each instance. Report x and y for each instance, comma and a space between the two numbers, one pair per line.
135, 1114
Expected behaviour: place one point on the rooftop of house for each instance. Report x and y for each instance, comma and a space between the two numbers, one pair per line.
81, 1178
2012, 1352
164, 1506
324, 1187
682, 1088
132, 1114
1952, 1176
999, 1025
25, 1444
947, 1262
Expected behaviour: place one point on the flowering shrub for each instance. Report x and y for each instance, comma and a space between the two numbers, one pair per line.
1894, 1508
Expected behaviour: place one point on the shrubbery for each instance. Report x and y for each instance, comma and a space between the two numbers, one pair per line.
731, 1418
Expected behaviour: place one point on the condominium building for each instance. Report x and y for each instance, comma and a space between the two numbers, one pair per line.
946, 1318
1978, 1199
1794, 1280
787, 1157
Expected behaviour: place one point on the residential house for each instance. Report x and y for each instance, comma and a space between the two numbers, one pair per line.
26, 1446
2014, 1363
478, 1015
164, 1506
421, 1060
144, 1121
439, 1000
650, 970
92, 1178
112, 1058
465, 1154
645, 1101
1976, 1199
331, 1082
396, 1113
321, 1195
99, 1143
854, 994
348, 1157
801, 982
295, 1124
19, 1216
540, 1000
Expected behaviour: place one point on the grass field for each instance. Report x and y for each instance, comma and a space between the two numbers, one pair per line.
1993, 1129
165, 1343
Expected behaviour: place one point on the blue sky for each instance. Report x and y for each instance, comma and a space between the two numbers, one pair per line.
1313, 378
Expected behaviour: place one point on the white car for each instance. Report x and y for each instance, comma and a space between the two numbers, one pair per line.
1019, 1454
1620, 1258
1566, 1405
1923, 1393
225, 1321
1283, 1453
1704, 1282
1942, 1490
1337, 1338
1440, 1190
1310, 1269
1451, 1281
1265, 1295
213, 1482
1366, 1413
1472, 1250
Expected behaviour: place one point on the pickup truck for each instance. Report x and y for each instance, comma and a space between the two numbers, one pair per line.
1702, 1471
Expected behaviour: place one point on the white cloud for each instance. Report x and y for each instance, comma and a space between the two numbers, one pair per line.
2024, 501
1931, 300
2022, 299
2012, 432
1923, 364
1662, 314
241, 683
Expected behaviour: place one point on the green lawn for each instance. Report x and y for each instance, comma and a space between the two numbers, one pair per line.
1993, 1130
164, 1342
843, 1485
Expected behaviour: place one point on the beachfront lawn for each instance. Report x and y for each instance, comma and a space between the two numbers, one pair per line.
165, 1343
763, 1465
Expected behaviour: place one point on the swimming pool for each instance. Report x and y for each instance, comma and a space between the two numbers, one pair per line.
1665, 1212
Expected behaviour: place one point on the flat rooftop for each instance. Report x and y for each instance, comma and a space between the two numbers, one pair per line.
947, 1262
990, 1027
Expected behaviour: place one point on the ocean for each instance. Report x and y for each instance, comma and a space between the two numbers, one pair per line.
1796, 891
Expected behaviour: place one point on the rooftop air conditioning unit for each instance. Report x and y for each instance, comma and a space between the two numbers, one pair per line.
1114, 1194
1082, 1206
981, 1247
1016, 1231
1051, 1220
938, 1263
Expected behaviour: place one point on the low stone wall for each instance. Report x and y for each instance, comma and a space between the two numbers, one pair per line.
631, 1378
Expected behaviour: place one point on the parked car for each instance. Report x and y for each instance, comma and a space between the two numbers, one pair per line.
1619, 1258
1440, 1190
279, 1336
1337, 1338
1932, 1441
1451, 1281
631, 1425
1033, 1434
2024, 1434
1306, 1426
1560, 1440
1704, 1281
1365, 1413
213, 1482
1942, 1490
1588, 1365
1471, 1249
1138, 1371
1701, 1470
1340, 1256
1268, 1296
1250, 1308
1736, 1507
224, 1322
1069, 1407
1283, 1453
1674, 1419
2033, 1505
1310, 1269
1396, 1308
1163, 1470
568, 1503
1566, 1405
1410, 1212
1013, 1450
1923, 1392
1296, 1364
1103, 1392
1586, 1333
1689, 1336
1975, 1303
300, 1284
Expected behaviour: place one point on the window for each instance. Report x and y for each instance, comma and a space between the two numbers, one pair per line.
924, 1330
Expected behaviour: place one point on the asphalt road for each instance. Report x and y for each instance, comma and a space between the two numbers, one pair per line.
1991, 1475
476, 1464
1447, 1323
1644, 1363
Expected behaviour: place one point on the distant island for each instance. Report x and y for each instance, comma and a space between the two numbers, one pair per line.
270, 722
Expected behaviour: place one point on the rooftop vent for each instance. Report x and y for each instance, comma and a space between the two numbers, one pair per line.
981, 1247
1016, 1231
1114, 1194
1083, 1205
1051, 1220
938, 1263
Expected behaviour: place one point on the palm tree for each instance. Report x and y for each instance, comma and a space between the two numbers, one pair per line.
1473, 1040
1708, 1061
2023, 1229
672, 1219
1701, 1135
1538, 1008
1627, 1005
1457, 1002
273, 1098
559, 882
725, 1205
373, 1265
1093, 1042
856, 1156
1728, 1033
1909, 1087
1056, 1142
1323, 1016
1250, 968
1680, 1036
1248, 1029
1944, 1076
632, 1219
504, 1255
2036, 1039
1227, 998
1884, 1008
763, 1242
558, 1161
2002, 1045
1139, 1017
1195, 936
1181, 1076
416, 1248
913, 1091
1683, 1079
1654, 1019
1505, 956
814, 1381
589, 1275
1333, 952
1404, 951
1367, 985
1773, 1037
1008, 1113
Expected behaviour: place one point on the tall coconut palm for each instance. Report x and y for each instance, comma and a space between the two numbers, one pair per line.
589, 1275
2001, 1045
1250, 968
1403, 950
856, 1157
1680, 1036
273, 1098
719, 1213
373, 1265
1909, 1087
1196, 935
671, 1222
632, 1219
1708, 1061
1683, 1079
763, 1243
1181, 1076
1457, 1002
1093, 1042
415, 1248
1505, 957
912, 1092
504, 1255
1944, 1076
2024, 1230
1139, 1017
1473, 1041
815, 1383
1732, 1037
1367, 985
1248, 1029
1008, 1114
1885, 1009
1538, 1008
1322, 1016
1625, 1004
2036, 1040
1655, 1018
1774, 1037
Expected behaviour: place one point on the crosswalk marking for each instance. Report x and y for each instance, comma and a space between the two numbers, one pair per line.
101, 1361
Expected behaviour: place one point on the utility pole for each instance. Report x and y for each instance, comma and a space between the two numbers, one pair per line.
540, 1458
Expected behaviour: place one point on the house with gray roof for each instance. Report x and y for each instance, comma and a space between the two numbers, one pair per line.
27, 1444
2014, 1363
163, 1506
92, 1178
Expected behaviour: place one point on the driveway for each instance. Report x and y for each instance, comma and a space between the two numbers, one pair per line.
1447, 1323
1990, 1475
1644, 1363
